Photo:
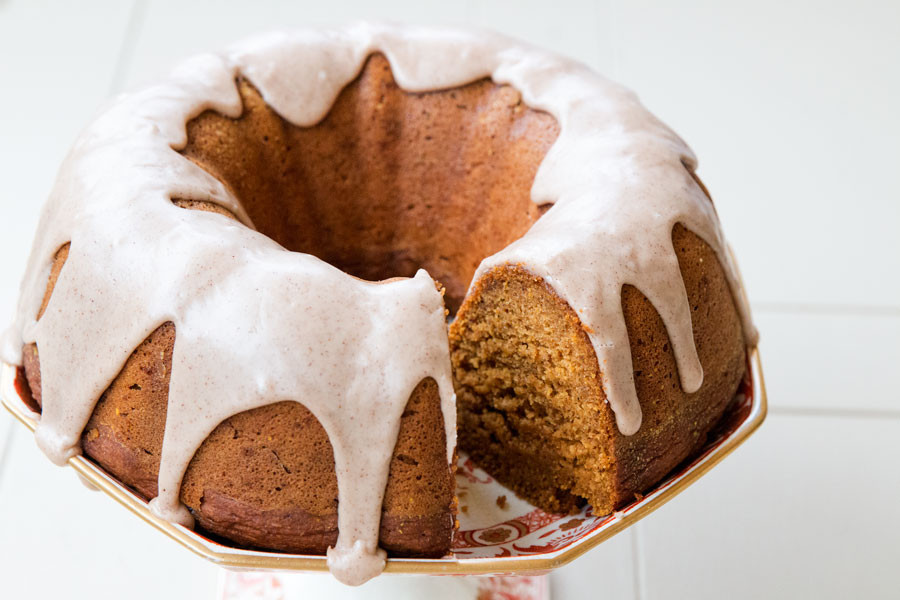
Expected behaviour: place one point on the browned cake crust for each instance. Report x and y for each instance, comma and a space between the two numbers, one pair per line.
531, 408
366, 189
265, 477
389, 182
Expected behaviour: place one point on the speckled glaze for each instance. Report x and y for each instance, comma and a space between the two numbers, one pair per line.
258, 324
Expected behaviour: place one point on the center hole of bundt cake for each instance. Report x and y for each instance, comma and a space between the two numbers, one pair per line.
388, 181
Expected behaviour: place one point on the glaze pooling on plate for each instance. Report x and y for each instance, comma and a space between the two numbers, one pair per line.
257, 324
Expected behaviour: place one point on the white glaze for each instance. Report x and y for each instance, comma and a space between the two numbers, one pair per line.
257, 324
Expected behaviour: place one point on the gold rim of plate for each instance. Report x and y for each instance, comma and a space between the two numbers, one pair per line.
236, 558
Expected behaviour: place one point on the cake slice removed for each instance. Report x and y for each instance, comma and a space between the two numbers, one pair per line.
531, 407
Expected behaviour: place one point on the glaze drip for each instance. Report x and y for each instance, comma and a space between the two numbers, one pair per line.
257, 324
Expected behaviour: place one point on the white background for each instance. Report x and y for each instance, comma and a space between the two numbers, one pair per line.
794, 111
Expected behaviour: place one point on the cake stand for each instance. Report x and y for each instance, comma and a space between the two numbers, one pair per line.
499, 534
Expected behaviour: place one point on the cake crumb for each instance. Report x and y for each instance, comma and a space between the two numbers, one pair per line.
501, 502
464, 509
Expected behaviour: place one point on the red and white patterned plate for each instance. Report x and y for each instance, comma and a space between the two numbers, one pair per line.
498, 534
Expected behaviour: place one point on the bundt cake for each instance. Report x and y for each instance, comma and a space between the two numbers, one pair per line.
235, 303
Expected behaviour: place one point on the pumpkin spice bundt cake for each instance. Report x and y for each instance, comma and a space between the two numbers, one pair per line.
238, 297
